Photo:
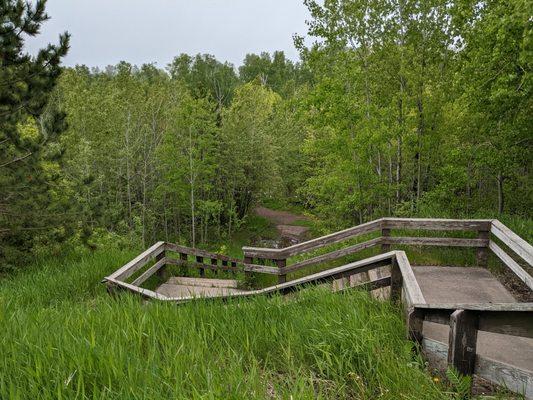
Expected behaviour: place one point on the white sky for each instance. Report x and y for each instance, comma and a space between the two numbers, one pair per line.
141, 31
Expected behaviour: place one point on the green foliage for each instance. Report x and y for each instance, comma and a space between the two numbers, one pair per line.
31, 202
316, 345
460, 384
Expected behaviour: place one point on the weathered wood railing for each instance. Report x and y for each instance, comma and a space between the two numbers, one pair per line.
384, 226
465, 320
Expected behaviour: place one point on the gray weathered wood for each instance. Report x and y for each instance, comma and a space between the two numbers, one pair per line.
524, 307
512, 264
143, 292
198, 252
396, 282
313, 244
282, 277
437, 241
482, 252
497, 372
333, 255
415, 325
332, 238
462, 341
385, 246
200, 263
504, 322
149, 272
413, 291
436, 224
138, 262
513, 241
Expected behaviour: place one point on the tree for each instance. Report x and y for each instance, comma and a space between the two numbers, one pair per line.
29, 126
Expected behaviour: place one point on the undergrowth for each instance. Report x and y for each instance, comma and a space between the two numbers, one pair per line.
63, 336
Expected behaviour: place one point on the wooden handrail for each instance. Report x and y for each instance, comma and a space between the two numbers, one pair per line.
513, 241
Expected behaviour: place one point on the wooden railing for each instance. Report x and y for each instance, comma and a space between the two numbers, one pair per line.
385, 226
465, 320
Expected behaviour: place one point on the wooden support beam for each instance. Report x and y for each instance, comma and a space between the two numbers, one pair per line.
396, 282
183, 269
385, 247
462, 341
333, 255
200, 259
415, 325
482, 255
282, 278
214, 262
513, 241
512, 264
248, 274
161, 272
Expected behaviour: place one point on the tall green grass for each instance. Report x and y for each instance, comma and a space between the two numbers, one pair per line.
63, 337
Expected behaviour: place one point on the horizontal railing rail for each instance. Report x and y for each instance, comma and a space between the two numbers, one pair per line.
465, 320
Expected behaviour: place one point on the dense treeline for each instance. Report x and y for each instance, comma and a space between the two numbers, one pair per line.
398, 107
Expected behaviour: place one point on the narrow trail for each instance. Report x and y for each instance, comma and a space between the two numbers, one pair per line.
285, 223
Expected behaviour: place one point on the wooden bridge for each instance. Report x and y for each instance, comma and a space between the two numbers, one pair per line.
459, 316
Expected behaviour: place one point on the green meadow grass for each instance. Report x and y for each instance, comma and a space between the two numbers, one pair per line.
64, 337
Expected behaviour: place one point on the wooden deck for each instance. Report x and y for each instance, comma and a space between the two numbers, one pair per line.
460, 317
198, 287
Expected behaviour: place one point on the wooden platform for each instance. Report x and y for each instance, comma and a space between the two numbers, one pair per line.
471, 285
198, 287
460, 285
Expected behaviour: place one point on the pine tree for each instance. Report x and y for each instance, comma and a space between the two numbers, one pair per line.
29, 124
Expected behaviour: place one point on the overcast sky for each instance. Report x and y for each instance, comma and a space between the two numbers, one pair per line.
141, 31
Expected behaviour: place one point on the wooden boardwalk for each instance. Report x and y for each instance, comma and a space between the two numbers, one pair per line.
460, 316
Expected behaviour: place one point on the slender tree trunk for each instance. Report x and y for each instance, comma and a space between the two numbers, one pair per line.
128, 169
501, 199
192, 181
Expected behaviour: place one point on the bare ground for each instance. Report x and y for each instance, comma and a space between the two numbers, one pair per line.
284, 221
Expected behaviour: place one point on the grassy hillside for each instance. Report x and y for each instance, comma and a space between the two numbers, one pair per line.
64, 337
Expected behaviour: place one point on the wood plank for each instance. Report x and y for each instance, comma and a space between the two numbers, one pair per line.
524, 307
369, 285
497, 372
436, 241
415, 325
332, 255
513, 241
244, 267
198, 252
335, 273
512, 264
138, 262
206, 282
514, 323
143, 292
396, 282
413, 291
436, 224
332, 238
462, 341
149, 272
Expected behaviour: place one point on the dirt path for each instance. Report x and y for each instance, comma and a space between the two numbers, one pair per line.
284, 221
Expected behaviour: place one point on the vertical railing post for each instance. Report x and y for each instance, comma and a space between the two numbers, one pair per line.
462, 341
214, 261
482, 255
385, 233
248, 274
200, 259
415, 325
282, 278
161, 272
396, 280
183, 269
